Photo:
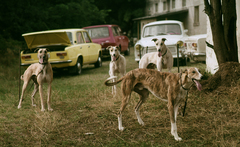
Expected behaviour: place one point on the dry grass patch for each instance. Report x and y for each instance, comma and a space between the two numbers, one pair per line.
85, 114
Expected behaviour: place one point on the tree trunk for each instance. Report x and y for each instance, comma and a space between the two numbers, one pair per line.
222, 19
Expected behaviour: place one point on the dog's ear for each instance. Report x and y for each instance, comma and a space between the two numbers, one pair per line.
108, 47
118, 48
48, 50
154, 39
163, 39
184, 75
185, 71
36, 50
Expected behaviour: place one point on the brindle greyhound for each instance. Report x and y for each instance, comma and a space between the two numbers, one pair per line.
166, 86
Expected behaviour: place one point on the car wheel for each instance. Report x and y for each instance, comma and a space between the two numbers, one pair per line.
78, 67
99, 62
127, 52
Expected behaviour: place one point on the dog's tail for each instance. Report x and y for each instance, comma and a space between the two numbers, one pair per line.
114, 83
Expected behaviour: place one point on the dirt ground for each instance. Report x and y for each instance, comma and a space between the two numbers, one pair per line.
226, 77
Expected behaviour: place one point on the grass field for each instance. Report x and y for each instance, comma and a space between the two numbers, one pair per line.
85, 114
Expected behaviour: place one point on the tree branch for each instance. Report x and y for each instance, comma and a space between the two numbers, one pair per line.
208, 7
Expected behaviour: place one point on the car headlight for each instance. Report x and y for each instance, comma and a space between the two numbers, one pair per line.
138, 47
180, 43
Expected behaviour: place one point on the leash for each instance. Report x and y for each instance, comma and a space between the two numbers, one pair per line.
185, 105
163, 58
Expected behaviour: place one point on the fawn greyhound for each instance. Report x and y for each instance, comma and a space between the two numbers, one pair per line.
169, 87
40, 73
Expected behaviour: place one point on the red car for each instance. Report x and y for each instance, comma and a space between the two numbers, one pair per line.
109, 35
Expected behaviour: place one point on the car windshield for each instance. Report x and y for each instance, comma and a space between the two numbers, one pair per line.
162, 29
101, 32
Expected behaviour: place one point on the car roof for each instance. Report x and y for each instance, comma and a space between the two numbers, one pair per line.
97, 26
163, 22
53, 31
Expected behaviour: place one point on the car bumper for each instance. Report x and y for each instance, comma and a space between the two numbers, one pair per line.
54, 62
196, 56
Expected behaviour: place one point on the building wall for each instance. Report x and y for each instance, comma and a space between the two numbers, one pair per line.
201, 27
188, 20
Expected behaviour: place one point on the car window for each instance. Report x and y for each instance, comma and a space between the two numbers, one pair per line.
100, 32
119, 30
162, 29
115, 31
69, 34
79, 38
86, 37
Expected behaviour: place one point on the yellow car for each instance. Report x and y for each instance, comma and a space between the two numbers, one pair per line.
68, 48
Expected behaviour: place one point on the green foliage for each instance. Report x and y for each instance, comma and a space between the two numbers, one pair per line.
27, 16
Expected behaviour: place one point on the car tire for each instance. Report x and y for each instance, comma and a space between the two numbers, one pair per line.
99, 62
78, 67
127, 52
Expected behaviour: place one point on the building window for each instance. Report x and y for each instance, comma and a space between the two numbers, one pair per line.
183, 3
196, 15
164, 5
173, 4
156, 7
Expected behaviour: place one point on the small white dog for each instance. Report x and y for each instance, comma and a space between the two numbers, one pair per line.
162, 58
117, 64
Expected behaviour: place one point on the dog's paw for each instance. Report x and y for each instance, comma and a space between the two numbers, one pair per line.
121, 128
19, 106
141, 122
42, 110
34, 105
178, 138
50, 109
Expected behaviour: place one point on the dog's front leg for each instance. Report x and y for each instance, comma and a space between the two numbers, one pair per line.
41, 96
159, 64
173, 118
49, 96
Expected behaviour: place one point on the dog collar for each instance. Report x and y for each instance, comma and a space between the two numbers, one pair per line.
44, 63
182, 84
165, 53
117, 57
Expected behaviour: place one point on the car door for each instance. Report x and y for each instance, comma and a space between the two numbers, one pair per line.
92, 51
82, 47
124, 39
